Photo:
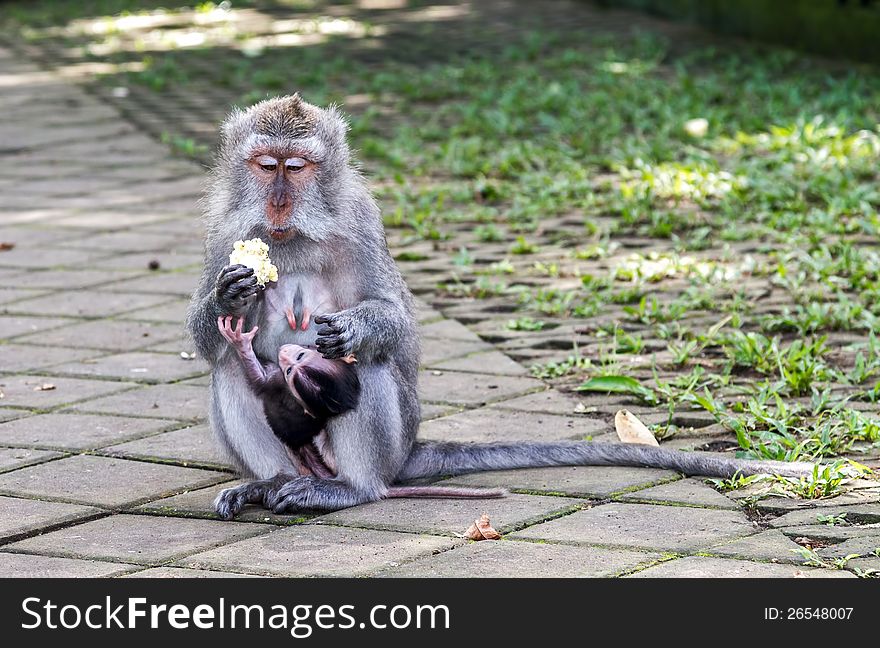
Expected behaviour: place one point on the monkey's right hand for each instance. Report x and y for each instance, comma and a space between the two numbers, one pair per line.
236, 289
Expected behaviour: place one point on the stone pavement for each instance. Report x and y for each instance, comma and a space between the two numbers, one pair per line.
106, 462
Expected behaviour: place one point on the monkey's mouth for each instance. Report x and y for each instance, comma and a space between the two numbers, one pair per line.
279, 233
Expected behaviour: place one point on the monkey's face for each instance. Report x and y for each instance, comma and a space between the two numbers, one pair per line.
286, 159
285, 177
323, 387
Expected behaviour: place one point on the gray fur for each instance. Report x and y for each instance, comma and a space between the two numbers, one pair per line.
339, 252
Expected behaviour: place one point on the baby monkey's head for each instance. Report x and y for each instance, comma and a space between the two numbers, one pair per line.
323, 387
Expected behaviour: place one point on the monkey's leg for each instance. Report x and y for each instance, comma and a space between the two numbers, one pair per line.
367, 445
313, 461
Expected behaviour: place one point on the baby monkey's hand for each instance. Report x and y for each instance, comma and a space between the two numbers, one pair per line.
236, 336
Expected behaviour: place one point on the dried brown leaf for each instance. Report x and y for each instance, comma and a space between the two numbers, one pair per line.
5, 246
482, 530
631, 430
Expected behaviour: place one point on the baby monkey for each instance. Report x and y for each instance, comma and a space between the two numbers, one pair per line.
301, 393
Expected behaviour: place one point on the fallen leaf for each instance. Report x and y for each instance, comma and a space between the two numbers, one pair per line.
5, 246
631, 430
44, 387
482, 530
619, 385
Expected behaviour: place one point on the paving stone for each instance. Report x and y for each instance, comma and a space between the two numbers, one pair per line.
77, 431
125, 241
645, 526
486, 424
471, 388
857, 513
141, 366
21, 516
447, 329
21, 257
12, 458
550, 401
75, 278
173, 311
182, 402
824, 533
8, 294
138, 539
169, 260
868, 545
450, 516
770, 545
493, 362
28, 391
182, 572
435, 351
27, 566
13, 326
429, 410
700, 567
691, 492
25, 357
84, 304
524, 560
580, 481
780, 505
109, 335
163, 283
320, 551
104, 481
869, 565
192, 444
10, 414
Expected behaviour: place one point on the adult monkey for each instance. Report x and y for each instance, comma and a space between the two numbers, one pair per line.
284, 172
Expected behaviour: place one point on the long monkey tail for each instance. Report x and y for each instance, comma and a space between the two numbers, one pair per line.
432, 459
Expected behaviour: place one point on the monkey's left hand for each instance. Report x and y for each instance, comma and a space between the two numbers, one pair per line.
337, 336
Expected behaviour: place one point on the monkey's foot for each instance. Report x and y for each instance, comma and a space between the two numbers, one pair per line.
230, 501
317, 494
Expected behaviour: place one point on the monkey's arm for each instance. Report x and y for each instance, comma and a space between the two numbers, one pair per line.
258, 375
230, 290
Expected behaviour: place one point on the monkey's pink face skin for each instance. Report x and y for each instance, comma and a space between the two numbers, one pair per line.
292, 356
284, 175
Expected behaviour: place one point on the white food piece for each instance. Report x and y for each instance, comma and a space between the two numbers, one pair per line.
255, 254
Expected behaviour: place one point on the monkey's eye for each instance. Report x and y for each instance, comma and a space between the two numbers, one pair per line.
294, 164
300, 356
289, 369
267, 163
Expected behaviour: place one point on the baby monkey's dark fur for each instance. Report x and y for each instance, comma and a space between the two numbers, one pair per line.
304, 390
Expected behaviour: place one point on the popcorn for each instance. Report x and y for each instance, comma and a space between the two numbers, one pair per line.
255, 254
